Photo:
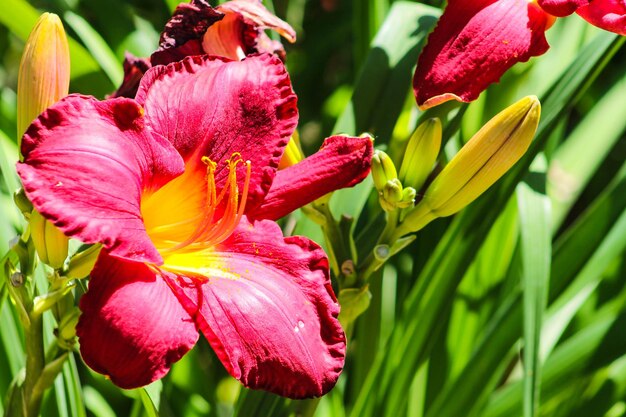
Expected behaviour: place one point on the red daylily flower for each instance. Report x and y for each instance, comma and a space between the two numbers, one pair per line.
232, 30
180, 186
474, 43
477, 41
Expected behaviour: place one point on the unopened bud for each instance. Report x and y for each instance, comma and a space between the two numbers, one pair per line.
50, 243
82, 263
293, 152
408, 198
383, 170
421, 154
44, 75
488, 155
392, 191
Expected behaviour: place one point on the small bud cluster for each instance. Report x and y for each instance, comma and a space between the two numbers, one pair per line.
391, 193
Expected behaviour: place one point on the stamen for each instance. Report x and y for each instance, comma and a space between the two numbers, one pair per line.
210, 232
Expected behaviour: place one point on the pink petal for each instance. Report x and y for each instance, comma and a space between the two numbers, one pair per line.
269, 311
561, 7
133, 327
86, 165
183, 32
207, 106
134, 69
474, 43
341, 162
606, 14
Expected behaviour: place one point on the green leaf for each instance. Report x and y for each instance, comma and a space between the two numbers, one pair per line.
386, 75
20, 17
431, 298
97, 47
151, 398
579, 157
536, 250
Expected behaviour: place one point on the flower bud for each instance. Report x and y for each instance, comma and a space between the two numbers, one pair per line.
44, 75
44, 79
488, 155
383, 170
392, 191
293, 153
50, 243
421, 153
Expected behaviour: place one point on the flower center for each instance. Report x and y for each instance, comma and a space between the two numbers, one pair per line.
180, 220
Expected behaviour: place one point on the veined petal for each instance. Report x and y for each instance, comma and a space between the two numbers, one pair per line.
134, 69
209, 106
133, 327
341, 162
183, 33
606, 14
474, 43
86, 164
561, 8
268, 310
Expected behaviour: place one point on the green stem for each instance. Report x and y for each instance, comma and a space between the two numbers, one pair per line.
387, 237
35, 362
339, 248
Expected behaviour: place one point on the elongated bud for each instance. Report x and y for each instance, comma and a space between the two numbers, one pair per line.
44, 75
44, 79
488, 155
82, 263
293, 153
50, 243
421, 154
383, 170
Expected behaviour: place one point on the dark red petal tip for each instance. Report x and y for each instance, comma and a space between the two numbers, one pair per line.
341, 162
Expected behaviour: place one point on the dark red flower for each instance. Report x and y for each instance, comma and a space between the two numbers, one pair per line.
177, 185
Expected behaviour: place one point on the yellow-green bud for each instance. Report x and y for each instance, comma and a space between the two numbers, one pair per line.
421, 153
488, 155
408, 198
383, 170
50, 243
392, 191
293, 152
44, 79
82, 263
44, 74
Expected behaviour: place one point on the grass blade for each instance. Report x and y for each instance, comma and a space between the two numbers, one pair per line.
536, 250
